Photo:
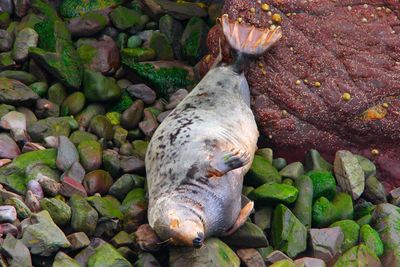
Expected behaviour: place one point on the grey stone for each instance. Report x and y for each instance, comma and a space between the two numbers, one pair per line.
293, 170
63, 260
67, 154
78, 241
16, 251
374, 190
7, 213
309, 262
6, 41
143, 92
9, 149
25, 39
76, 172
326, 243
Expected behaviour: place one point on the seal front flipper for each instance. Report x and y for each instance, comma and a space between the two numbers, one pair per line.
226, 161
241, 219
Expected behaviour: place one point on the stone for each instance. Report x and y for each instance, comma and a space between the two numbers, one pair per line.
87, 25
283, 263
134, 208
61, 259
293, 170
147, 259
7, 213
193, 39
78, 136
132, 164
99, 88
314, 161
250, 257
84, 216
309, 262
344, 205
262, 172
288, 234
121, 239
51, 127
6, 62
32, 202
25, 38
324, 184
106, 227
73, 104
276, 256
15, 92
107, 207
371, 239
97, 181
74, 8
121, 187
39, 88
326, 243
366, 219
359, 255
107, 256
159, 43
111, 162
172, 29
90, 153
70, 187
16, 123
83, 256
176, 98
367, 166
6, 41
76, 172
9, 149
143, 92
21, 7
7, 6
279, 163
262, 218
44, 109
131, 117
385, 221
22, 210
43, 237
248, 235
178, 10
137, 54
120, 136
303, 206
146, 238
17, 253
8, 229
274, 192
67, 154
214, 251
350, 231
124, 18
78, 241
59, 211
101, 126
133, 42
349, 173
127, 253
57, 93
324, 212
149, 125
374, 190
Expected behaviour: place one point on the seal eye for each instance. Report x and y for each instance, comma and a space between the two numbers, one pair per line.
198, 241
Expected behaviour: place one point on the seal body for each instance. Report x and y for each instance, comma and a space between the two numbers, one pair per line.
215, 117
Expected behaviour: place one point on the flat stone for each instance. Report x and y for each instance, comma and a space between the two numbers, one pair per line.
15, 92
350, 231
371, 239
22, 210
360, 255
143, 92
98, 181
90, 154
107, 256
132, 164
326, 243
293, 170
274, 192
121, 239
76, 172
374, 190
9, 149
87, 24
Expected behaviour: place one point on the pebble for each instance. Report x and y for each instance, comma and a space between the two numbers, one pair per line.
7, 214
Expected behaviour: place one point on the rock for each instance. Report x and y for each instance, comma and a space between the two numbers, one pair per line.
349, 174
111, 162
84, 217
371, 239
120, 136
367, 166
172, 29
344, 206
324, 184
132, 164
78, 241
283, 263
279, 163
44, 109
70, 187
359, 255
61, 259
90, 153
124, 184
106, 227
7, 6
32, 202
133, 42
102, 127
350, 231
87, 25
374, 190
51, 127
107, 207
127, 253
66, 154
276, 256
262, 172
214, 251
74, 8
76, 172
99, 88
7, 213
43, 237
9, 149
39, 88
193, 39
16, 123
131, 117
22, 210
14, 92
163, 115
89, 113
262, 218
324, 212
97, 181
101, 56
367, 219
248, 235
8, 229
83, 256
250, 257
78, 136
6, 61
385, 221
35, 188
159, 43
134, 208
59, 211
124, 18
57, 93
17, 253
73, 104
121, 239
143, 92
274, 192
21, 7
147, 239
309, 262
149, 125
303, 206
176, 98
25, 38
326, 243
181, 11
293, 170
288, 233
6, 41
107, 256
314, 161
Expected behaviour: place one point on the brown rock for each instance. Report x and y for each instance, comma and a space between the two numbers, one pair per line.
326, 243
69, 187
98, 181
309, 262
250, 257
146, 238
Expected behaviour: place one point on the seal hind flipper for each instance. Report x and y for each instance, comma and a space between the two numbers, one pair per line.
227, 161
241, 219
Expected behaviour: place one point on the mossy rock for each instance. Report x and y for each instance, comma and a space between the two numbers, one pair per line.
358, 256
107, 256
274, 193
124, 18
74, 8
371, 239
137, 54
98, 87
107, 207
159, 43
123, 103
324, 212
324, 184
193, 39
344, 205
262, 172
350, 230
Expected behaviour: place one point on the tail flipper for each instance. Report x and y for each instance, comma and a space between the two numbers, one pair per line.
247, 39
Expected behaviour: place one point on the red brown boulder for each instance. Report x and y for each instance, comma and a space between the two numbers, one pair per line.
333, 80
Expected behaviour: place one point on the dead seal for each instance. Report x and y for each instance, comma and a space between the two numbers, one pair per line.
198, 156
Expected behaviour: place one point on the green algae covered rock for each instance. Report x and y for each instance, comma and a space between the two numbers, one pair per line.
84, 217
62, 260
350, 230
137, 54
124, 18
274, 193
324, 184
159, 43
13, 174
371, 239
262, 172
288, 234
358, 256
107, 206
59, 211
100, 88
344, 205
315, 162
248, 235
193, 39
74, 8
324, 212
56, 52
134, 208
303, 206
107, 256
213, 253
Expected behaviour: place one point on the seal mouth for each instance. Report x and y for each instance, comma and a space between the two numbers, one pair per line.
199, 240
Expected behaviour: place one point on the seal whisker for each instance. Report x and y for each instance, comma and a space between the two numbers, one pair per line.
165, 242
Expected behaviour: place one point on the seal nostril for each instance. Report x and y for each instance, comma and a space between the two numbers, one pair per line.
198, 241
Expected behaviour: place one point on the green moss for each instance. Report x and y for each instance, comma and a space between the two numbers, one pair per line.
86, 53
123, 103
371, 238
350, 231
274, 192
324, 184
137, 54
324, 212
74, 8
262, 172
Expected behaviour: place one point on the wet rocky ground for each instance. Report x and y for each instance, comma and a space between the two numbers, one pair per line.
84, 85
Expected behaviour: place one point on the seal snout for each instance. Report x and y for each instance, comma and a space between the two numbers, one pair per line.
198, 241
